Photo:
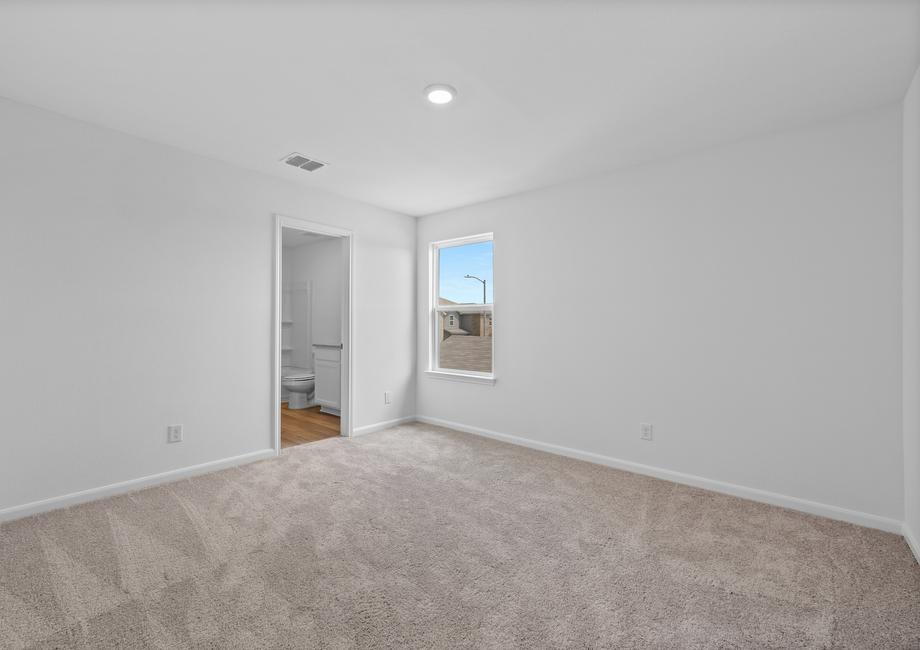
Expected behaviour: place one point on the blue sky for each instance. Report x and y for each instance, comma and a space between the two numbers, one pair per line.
457, 261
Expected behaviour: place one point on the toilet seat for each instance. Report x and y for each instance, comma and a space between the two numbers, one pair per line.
292, 373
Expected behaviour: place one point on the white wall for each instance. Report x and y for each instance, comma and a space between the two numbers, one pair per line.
744, 300
320, 264
911, 313
295, 331
157, 306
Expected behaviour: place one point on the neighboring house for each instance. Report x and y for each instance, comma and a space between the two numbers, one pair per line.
454, 323
450, 321
477, 324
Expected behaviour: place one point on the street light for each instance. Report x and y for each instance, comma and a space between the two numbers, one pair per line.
473, 277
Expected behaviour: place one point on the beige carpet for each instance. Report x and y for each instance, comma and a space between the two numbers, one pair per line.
419, 537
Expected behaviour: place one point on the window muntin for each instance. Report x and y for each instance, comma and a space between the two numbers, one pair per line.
462, 312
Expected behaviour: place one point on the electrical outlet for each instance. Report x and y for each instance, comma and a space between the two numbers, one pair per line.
174, 433
386, 397
645, 431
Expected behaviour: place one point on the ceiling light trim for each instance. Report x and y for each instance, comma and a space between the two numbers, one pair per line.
440, 94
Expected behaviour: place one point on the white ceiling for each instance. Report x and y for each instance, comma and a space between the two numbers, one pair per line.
547, 91
293, 238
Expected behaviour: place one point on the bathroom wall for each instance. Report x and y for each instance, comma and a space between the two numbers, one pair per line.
313, 282
141, 276
297, 335
321, 265
295, 319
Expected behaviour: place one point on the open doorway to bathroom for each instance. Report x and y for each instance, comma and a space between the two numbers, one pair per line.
312, 368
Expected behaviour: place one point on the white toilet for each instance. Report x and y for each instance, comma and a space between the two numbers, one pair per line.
299, 382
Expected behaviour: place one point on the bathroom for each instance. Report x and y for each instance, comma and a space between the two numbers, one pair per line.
313, 271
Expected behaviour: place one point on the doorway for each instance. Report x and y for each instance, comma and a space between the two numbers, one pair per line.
312, 333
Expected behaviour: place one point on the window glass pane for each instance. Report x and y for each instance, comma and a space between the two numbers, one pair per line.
466, 341
458, 262
465, 336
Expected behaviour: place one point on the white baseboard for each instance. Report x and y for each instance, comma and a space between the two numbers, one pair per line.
912, 540
752, 494
380, 426
54, 503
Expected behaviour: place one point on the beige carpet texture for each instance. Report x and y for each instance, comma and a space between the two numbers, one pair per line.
421, 537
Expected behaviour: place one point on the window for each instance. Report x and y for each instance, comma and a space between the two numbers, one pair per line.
461, 312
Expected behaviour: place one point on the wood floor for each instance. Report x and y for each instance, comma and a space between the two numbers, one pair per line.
306, 425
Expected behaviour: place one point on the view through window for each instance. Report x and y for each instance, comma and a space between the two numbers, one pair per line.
463, 314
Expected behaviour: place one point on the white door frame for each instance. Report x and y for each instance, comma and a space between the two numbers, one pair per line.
347, 410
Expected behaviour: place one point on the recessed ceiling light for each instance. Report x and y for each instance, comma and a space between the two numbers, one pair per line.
440, 93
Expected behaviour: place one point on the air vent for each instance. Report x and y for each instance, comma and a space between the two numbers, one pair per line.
301, 161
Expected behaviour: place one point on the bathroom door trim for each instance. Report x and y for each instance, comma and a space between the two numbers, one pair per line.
347, 388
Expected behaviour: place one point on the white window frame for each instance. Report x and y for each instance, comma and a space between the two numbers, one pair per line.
434, 311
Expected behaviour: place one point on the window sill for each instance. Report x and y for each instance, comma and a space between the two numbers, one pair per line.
460, 376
